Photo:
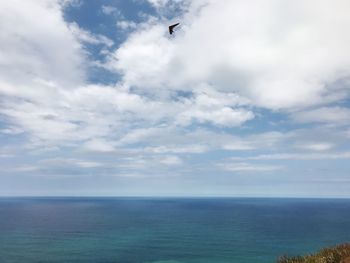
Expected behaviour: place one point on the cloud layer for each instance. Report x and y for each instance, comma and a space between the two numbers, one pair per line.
227, 94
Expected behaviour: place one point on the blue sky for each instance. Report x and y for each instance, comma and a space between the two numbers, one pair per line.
245, 99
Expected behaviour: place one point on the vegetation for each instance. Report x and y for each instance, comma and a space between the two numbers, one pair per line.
338, 254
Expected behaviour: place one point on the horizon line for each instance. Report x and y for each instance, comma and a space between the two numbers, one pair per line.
174, 197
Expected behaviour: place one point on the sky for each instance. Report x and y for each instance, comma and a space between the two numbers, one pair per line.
246, 98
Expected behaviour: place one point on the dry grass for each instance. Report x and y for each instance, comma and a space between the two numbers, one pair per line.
338, 254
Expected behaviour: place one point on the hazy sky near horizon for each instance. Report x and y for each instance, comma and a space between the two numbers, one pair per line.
247, 98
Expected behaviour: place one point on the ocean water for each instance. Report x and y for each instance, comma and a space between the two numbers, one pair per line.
155, 230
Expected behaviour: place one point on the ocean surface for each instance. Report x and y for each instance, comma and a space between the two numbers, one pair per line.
156, 230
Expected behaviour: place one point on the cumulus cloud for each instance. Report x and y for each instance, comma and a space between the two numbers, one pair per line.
37, 44
292, 59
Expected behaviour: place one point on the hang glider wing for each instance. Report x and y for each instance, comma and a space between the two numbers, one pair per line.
171, 28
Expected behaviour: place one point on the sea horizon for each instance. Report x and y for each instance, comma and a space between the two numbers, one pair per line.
174, 197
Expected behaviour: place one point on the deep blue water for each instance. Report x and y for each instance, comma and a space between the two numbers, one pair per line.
140, 230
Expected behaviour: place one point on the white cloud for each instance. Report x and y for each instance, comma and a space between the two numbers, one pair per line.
169, 7
189, 148
11, 130
98, 145
73, 3
248, 167
126, 25
165, 3
292, 59
149, 164
24, 168
171, 160
87, 37
88, 164
36, 43
139, 135
107, 9
6, 155
143, 57
210, 106
332, 115
322, 146
55, 166
297, 156
67, 163
169, 140
51, 112
267, 140
158, 3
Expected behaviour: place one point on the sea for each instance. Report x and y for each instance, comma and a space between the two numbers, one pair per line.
168, 230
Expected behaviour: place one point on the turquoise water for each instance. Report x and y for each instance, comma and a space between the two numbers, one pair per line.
141, 230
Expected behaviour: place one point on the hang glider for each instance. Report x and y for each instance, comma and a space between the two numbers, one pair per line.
171, 28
